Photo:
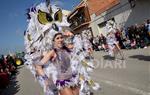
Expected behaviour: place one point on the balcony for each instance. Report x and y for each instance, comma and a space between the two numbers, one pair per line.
78, 18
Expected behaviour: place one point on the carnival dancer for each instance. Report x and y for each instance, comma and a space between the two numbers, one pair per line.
113, 46
54, 65
82, 62
62, 62
38, 43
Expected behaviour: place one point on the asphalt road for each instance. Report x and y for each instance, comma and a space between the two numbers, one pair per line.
116, 77
124, 77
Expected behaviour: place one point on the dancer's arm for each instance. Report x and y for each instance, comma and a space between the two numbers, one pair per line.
39, 69
46, 57
50, 55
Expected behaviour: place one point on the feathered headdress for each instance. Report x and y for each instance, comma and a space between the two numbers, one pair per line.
111, 26
44, 21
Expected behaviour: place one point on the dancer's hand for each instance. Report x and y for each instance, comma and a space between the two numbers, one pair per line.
68, 33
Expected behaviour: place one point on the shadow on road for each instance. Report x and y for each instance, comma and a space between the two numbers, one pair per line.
108, 57
141, 57
13, 87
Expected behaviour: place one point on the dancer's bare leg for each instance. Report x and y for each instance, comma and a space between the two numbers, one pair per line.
115, 52
66, 91
118, 50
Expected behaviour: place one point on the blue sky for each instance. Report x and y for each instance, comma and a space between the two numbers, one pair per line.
13, 21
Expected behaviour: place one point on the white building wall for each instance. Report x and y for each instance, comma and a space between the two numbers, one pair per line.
123, 14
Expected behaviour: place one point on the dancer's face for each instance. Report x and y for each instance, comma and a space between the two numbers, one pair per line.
58, 40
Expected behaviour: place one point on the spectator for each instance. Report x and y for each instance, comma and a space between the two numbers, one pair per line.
127, 44
102, 39
4, 79
119, 38
133, 44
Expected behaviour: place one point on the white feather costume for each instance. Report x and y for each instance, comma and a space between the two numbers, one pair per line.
110, 38
44, 21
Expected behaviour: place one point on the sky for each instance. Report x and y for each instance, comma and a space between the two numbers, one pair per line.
13, 21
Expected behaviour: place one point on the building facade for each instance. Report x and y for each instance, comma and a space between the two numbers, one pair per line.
93, 14
124, 12
79, 18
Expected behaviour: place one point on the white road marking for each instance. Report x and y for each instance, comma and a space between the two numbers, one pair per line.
133, 89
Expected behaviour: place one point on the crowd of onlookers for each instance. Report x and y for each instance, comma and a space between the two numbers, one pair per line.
8, 69
135, 36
